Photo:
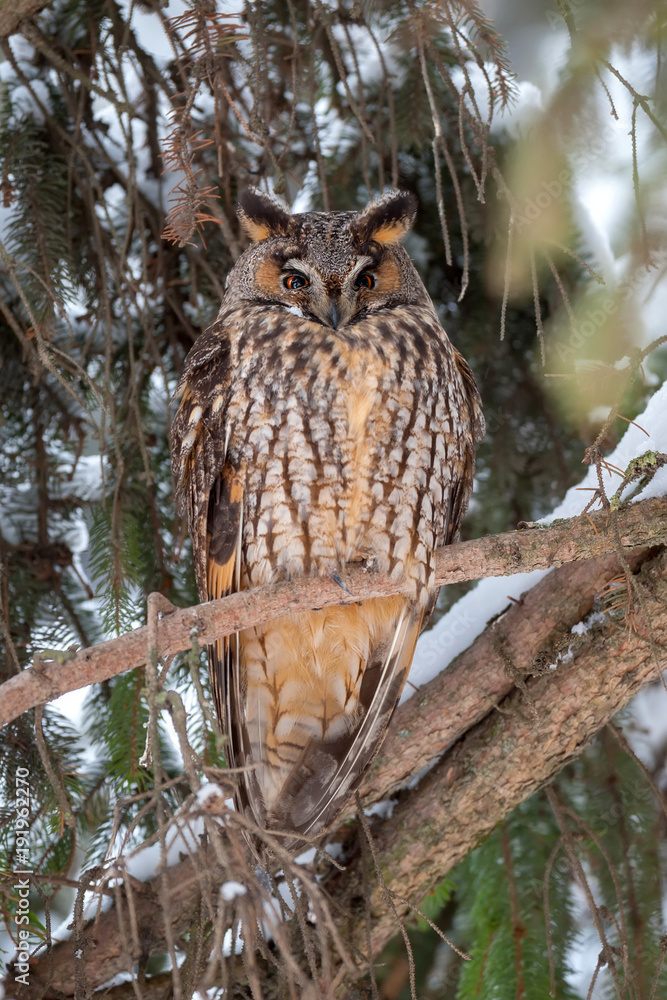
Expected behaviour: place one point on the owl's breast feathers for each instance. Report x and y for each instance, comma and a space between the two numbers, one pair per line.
298, 449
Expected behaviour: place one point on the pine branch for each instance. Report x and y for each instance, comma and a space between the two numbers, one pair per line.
640, 525
12, 12
501, 761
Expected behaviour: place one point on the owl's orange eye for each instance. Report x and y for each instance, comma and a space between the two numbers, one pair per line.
365, 280
294, 281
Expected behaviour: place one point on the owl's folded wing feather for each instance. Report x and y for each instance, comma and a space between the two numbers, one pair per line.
462, 489
320, 688
199, 438
208, 487
223, 576
330, 770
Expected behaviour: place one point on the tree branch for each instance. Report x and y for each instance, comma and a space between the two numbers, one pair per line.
12, 12
640, 525
502, 760
525, 640
506, 758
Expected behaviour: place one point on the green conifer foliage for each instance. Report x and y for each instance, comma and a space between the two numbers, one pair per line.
502, 914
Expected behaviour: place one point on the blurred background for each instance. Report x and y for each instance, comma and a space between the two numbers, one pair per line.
534, 137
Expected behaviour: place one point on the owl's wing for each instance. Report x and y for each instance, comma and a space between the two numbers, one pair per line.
224, 534
320, 795
199, 438
462, 488
207, 486
320, 689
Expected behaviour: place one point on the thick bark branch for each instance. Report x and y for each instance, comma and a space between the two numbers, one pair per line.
502, 760
641, 524
12, 12
524, 640
509, 756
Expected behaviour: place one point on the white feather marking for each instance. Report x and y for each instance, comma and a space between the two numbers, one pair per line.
188, 442
239, 542
195, 415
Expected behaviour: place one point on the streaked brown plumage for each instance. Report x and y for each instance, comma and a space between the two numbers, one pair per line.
324, 419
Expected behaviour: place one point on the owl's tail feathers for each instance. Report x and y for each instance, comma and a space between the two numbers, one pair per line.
328, 770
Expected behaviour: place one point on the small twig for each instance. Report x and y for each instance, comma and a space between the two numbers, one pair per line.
580, 875
56, 779
388, 896
617, 733
547, 917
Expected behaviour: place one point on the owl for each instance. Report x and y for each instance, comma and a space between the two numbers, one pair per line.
324, 420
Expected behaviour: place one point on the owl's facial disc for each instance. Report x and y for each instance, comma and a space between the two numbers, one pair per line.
333, 302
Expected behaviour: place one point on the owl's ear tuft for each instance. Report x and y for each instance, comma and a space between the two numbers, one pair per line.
262, 215
387, 219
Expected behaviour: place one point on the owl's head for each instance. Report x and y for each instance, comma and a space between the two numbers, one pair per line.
333, 268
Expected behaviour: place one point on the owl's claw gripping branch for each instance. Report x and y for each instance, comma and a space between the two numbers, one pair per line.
343, 586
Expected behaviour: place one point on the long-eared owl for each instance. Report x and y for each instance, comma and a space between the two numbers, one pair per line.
325, 419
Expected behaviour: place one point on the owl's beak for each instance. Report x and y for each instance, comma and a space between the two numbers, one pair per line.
334, 311
333, 314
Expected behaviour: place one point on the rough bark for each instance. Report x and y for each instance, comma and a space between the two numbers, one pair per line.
522, 641
641, 524
503, 759
12, 12
510, 755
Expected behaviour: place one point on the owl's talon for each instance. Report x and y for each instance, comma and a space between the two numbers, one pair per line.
337, 579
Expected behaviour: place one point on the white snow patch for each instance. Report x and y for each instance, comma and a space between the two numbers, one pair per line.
29, 101
463, 623
230, 890
182, 838
22, 49
227, 944
382, 809
335, 850
209, 791
648, 734
306, 856
92, 906
595, 618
